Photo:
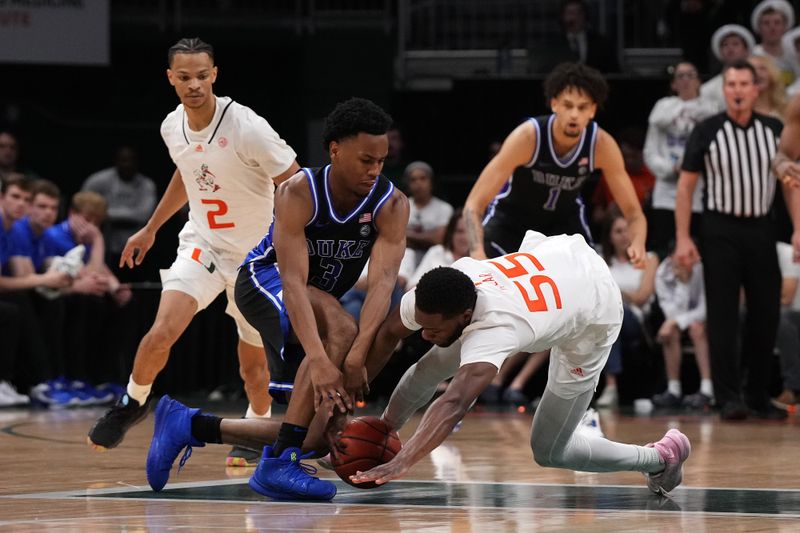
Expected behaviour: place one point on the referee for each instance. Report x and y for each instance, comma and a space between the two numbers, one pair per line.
733, 151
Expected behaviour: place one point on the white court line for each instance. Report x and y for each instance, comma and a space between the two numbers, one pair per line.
455, 509
225, 482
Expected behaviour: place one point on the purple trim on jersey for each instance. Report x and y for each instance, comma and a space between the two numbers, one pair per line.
594, 144
504, 191
380, 203
532, 162
576, 151
313, 187
355, 210
583, 220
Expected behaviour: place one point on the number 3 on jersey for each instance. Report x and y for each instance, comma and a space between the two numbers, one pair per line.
538, 303
220, 209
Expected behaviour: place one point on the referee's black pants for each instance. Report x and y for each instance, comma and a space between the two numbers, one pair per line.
740, 253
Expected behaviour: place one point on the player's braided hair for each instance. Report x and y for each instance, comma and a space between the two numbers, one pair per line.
576, 76
446, 291
354, 116
190, 45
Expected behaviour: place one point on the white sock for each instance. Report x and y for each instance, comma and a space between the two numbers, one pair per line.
674, 386
138, 392
707, 388
252, 414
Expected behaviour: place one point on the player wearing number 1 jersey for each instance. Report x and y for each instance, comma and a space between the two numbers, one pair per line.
535, 180
555, 292
228, 161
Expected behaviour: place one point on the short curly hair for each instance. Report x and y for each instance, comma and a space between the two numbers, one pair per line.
446, 291
354, 116
576, 76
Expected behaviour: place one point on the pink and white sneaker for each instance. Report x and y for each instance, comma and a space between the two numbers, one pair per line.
674, 448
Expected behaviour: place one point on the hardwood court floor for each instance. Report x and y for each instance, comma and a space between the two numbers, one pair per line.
740, 477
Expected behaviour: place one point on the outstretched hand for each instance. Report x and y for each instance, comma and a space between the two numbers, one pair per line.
394, 469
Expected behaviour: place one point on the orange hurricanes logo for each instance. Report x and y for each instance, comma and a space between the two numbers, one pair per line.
205, 179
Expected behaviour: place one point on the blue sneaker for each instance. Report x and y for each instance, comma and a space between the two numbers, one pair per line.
172, 433
286, 478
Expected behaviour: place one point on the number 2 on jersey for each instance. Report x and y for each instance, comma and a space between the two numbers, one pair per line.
221, 210
538, 303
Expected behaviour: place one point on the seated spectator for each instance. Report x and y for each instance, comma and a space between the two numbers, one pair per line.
26, 249
770, 20
671, 121
730, 43
637, 286
772, 99
577, 42
788, 339
131, 198
27, 363
682, 298
15, 198
86, 213
428, 215
455, 246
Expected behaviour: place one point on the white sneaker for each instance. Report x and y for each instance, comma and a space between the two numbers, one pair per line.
9, 392
609, 398
590, 424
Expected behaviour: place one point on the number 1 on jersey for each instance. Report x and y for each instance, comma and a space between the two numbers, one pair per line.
552, 198
537, 304
221, 210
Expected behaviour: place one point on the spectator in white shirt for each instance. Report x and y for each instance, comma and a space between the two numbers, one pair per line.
671, 121
771, 19
428, 215
681, 295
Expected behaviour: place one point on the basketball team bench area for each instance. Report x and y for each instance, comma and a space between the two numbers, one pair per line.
740, 477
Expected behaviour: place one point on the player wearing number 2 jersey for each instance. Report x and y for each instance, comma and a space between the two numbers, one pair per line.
228, 161
555, 292
534, 181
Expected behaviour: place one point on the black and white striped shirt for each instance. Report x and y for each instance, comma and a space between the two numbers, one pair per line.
734, 161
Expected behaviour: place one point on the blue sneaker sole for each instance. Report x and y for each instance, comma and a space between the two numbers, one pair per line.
269, 493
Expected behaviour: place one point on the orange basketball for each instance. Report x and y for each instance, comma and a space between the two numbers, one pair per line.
365, 443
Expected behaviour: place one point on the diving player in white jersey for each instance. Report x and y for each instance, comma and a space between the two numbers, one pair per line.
557, 293
229, 161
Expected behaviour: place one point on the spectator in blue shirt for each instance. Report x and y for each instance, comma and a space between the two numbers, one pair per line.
15, 197
86, 213
26, 247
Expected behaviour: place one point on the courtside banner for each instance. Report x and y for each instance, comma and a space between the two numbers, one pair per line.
73, 32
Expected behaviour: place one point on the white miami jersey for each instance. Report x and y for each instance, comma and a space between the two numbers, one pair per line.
543, 296
227, 170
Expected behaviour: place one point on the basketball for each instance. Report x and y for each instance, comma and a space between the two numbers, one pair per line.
365, 442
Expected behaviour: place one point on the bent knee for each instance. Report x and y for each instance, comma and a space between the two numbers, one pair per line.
253, 372
697, 330
161, 336
543, 453
343, 329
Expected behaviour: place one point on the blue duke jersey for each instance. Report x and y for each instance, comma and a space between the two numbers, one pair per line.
544, 194
338, 245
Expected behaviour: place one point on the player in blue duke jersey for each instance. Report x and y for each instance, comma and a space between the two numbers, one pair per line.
535, 180
328, 222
